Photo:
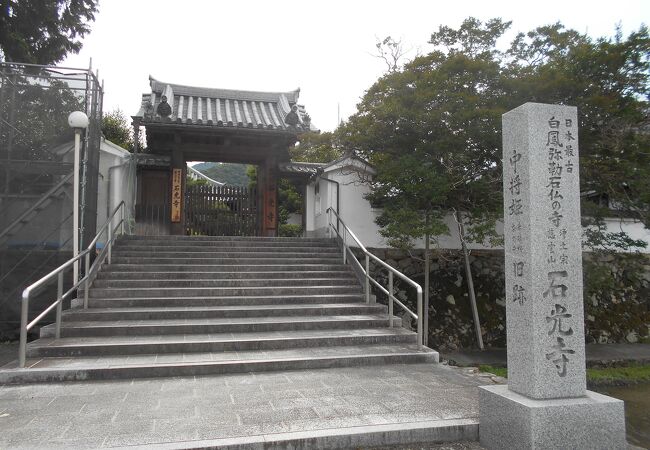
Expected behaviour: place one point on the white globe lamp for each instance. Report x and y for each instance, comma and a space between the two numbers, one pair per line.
78, 119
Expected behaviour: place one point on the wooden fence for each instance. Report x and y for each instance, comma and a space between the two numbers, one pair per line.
221, 211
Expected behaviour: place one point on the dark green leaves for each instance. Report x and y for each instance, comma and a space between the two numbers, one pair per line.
43, 31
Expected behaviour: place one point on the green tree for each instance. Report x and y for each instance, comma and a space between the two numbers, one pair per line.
228, 173
43, 31
115, 128
34, 123
608, 80
315, 148
433, 128
191, 182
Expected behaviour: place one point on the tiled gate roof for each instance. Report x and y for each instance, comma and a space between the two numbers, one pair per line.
223, 107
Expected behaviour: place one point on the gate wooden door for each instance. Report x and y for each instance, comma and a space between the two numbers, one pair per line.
152, 210
221, 211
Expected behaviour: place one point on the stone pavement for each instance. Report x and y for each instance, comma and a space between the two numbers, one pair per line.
241, 408
596, 354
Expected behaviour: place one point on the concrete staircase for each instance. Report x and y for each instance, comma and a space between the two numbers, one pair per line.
182, 306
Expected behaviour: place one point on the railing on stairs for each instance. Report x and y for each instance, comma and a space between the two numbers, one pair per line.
90, 274
337, 227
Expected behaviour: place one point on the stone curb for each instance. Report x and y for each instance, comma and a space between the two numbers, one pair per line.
435, 431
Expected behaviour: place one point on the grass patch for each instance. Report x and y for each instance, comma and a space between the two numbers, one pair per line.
498, 371
619, 375
611, 376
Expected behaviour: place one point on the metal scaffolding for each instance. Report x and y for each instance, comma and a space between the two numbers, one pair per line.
36, 165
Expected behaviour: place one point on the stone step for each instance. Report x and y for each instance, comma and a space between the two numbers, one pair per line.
246, 300
212, 325
227, 342
126, 253
221, 268
220, 291
157, 313
209, 363
257, 240
222, 248
224, 260
204, 283
107, 274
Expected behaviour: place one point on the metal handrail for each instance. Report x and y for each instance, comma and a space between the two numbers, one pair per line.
343, 235
106, 253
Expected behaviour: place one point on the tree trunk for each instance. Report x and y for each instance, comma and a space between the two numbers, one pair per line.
470, 280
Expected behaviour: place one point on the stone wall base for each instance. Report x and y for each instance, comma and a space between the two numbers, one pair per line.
508, 420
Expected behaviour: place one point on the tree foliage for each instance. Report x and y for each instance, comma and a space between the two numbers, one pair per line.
34, 117
116, 128
43, 31
433, 128
608, 80
228, 173
391, 52
315, 147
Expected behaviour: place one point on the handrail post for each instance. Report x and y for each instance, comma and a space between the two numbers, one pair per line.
367, 287
122, 218
390, 298
345, 247
109, 242
59, 307
420, 317
329, 223
87, 283
22, 349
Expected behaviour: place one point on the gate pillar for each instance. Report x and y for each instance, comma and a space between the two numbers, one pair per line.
177, 193
267, 179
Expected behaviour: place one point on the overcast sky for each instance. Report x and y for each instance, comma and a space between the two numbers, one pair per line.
325, 48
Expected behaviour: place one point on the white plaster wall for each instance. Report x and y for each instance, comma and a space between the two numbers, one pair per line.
360, 217
356, 211
320, 213
634, 230
309, 210
109, 186
106, 160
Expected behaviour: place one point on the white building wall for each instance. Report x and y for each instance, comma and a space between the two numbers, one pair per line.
309, 210
110, 190
322, 201
360, 217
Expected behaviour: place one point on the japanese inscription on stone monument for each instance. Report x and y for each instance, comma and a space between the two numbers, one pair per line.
543, 251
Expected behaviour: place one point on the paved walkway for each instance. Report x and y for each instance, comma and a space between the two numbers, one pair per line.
595, 353
199, 410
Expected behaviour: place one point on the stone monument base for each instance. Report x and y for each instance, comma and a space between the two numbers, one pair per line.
508, 420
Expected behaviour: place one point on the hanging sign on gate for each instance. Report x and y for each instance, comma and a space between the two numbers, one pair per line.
177, 196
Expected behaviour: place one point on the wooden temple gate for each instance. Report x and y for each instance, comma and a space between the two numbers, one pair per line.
185, 123
221, 211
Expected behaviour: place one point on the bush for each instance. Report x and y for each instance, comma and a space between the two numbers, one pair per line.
290, 230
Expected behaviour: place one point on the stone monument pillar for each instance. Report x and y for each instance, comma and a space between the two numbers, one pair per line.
545, 404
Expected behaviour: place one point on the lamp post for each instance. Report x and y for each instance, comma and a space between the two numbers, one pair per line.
79, 122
